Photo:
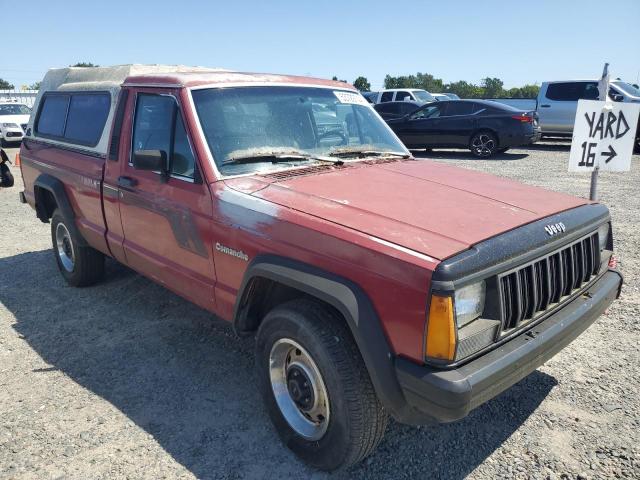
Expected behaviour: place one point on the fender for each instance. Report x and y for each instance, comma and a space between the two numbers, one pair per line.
56, 188
353, 303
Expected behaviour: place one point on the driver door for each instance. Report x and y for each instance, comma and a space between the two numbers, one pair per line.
166, 219
420, 129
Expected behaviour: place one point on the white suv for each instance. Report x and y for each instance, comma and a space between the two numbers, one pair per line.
14, 118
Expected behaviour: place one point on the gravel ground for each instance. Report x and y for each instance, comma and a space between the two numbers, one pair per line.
126, 380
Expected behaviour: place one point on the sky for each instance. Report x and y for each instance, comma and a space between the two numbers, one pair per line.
518, 42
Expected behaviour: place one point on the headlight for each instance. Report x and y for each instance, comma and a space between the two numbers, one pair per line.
10, 125
469, 303
603, 235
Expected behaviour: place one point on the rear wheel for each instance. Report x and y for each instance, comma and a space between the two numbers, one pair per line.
316, 387
79, 265
483, 144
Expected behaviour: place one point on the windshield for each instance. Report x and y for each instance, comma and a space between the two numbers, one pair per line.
14, 109
263, 129
423, 96
627, 88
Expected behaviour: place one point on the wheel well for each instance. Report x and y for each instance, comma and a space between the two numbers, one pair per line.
262, 295
45, 203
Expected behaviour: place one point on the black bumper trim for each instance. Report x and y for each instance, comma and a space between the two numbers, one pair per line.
440, 396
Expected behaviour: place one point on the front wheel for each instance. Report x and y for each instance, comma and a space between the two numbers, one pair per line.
483, 144
316, 387
80, 265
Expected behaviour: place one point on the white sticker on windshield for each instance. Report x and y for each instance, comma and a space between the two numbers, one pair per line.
349, 97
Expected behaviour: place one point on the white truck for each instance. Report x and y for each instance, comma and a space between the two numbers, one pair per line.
558, 100
401, 95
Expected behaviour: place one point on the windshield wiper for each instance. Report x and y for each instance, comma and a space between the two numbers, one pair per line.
278, 158
366, 153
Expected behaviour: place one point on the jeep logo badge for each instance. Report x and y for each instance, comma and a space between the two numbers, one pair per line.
555, 228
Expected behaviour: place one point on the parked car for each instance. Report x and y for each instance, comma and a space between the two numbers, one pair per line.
558, 101
441, 97
403, 94
376, 285
452, 96
13, 121
390, 110
482, 126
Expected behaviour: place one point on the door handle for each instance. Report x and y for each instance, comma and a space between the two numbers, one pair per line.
127, 182
546, 105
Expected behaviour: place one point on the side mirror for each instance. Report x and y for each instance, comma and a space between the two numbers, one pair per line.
616, 97
155, 160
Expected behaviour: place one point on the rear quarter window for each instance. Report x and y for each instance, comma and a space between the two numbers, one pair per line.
77, 118
52, 115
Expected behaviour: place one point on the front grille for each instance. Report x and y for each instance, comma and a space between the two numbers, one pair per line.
532, 289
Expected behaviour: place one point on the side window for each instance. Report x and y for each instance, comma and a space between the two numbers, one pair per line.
386, 97
78, 118
432, 111
53, 114
479, 108
459, 108
158, 125
572, 91
86, 118
183, 162
401, 95
590, 91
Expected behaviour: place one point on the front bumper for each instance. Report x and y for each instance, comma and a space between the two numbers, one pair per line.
439, 396
12, 135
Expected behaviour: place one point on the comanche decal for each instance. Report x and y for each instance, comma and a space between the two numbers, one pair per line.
230, 251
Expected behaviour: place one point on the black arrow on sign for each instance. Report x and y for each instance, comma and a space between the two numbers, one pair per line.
609, 155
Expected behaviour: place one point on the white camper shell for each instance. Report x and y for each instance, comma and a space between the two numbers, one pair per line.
97, 79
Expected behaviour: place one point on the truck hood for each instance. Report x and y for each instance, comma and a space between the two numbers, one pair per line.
430, 208
19, 119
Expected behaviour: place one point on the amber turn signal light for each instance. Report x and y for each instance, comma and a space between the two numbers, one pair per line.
441, 330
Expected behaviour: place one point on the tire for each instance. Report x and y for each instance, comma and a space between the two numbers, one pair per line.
80, 266
353, 421
483, 144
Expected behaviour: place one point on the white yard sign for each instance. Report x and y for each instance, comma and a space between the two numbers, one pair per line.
603, 136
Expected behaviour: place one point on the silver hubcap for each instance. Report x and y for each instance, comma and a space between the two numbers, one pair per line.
483, 145
299, 389
65, 247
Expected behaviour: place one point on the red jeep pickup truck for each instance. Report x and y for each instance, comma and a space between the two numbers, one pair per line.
375, 284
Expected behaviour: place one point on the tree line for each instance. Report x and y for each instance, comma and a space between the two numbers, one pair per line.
488, 87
